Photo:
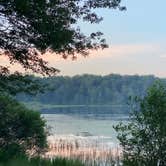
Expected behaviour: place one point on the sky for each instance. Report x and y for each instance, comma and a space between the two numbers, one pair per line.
137, 40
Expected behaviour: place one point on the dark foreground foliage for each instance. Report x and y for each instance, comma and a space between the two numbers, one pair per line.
29, 28
144, 138
23, 161
12, 84
21, 130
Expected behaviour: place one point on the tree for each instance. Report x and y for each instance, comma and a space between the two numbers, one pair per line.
143, 139
12, 84
29, 28
91, 89
21, 130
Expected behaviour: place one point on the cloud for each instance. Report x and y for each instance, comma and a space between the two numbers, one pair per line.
124, 58
116, 51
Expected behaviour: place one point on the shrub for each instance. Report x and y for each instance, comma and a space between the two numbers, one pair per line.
144, 138
21, 130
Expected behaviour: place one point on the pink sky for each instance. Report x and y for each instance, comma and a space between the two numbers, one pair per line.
123, 59
129, 59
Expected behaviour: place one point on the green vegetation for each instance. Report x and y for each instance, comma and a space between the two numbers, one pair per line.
22, 131
12, 84
30, 28
89, 90
23, 161
143, 139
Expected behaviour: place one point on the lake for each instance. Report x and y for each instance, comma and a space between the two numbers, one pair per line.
85, 120
84, 127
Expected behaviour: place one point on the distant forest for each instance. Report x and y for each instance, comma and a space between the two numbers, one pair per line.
91, 89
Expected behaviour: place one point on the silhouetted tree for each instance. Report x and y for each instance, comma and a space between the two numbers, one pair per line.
29, 28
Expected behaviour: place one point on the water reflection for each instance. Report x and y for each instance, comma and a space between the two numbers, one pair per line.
92, 112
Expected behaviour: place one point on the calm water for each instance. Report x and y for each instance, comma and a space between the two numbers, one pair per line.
90, 122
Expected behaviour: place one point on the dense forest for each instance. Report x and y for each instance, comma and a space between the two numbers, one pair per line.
91, 89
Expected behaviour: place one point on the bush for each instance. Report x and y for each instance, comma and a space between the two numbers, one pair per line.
21, 130
143, 139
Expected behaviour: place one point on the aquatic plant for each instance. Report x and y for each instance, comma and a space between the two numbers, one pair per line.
90, 150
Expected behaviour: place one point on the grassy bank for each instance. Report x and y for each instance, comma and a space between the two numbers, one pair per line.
22, 161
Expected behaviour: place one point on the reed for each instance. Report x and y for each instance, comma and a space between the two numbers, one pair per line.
90, 151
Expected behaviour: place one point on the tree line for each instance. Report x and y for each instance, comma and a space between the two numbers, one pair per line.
90, 89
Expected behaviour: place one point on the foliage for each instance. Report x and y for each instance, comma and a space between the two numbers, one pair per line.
91, 90
15, 83
23, 161
21, 130
29, 28
143, 139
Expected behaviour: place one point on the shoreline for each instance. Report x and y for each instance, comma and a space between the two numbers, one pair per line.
85, 149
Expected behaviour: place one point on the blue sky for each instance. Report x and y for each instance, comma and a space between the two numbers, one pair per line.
144, 21
137, 39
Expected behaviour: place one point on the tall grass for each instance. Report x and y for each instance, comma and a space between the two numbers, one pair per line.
89, 151
72, 151
23, 161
